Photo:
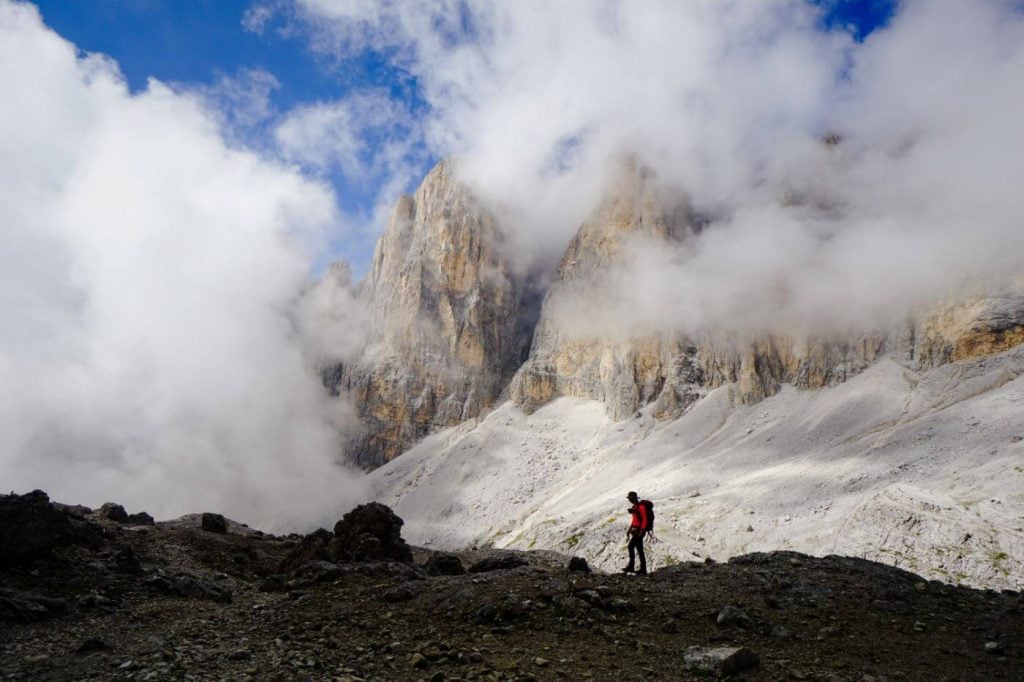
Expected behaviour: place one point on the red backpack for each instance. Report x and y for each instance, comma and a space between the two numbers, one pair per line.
649, 506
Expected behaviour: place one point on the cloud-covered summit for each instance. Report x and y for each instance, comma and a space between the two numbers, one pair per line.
729, 103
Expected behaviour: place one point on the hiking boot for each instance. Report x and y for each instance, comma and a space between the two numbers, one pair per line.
629, 569
642, 571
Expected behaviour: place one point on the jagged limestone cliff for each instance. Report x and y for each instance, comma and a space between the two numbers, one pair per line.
623, 370
974, 326
448, 324
666, 367
445, 333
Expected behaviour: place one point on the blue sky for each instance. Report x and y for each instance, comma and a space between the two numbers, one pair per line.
197, 43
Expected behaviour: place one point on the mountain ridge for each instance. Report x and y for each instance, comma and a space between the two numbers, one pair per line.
451, 321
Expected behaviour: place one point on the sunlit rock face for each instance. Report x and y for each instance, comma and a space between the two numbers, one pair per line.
623, 368
445, 326
450, 325
628, 369
978, 325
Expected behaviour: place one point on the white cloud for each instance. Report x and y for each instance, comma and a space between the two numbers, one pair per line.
368, 137
147, 287
728, 101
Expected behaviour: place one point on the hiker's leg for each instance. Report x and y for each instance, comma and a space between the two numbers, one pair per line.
632, 550
640, 551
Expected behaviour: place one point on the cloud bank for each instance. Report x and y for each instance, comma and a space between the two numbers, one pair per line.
149, 345
729, 102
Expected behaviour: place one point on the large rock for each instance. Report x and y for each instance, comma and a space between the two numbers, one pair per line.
447, 329
215, 523
370, 532
28, 607
32, 527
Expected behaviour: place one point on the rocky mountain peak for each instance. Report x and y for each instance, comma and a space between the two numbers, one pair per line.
635, 205
624, 373
449, 322
445, 333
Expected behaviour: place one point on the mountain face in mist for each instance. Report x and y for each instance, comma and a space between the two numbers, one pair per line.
973, 326
627, 372
450, 323
444, 311
665, 368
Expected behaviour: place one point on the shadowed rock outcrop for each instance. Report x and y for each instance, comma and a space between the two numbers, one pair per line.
370, 532
32, 527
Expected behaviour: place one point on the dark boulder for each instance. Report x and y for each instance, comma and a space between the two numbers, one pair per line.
399, 594
579, 564
92, 645
731, 616
370, 532
113, 512
126, 561
313, 547
215, 523
189, 586
32, 527
497, 563
79, 511
444, 564
28, 607
139, 519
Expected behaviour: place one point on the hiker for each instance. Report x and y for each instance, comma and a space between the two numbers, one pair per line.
642, 522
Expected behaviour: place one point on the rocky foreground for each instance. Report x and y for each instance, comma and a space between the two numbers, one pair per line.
102, 594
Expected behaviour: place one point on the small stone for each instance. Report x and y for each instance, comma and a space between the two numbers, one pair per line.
39, 658
487, 613
919, 626
731, 616
721, 661
399, 594
750, 529
438, 677
993, 648
92, 645
670, 626
541, 662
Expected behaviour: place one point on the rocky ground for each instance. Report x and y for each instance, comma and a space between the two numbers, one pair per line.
90, 595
